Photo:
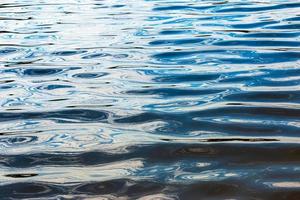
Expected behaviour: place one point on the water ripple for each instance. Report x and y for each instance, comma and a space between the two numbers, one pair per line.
149, 99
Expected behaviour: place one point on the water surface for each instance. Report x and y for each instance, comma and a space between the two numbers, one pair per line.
149, 99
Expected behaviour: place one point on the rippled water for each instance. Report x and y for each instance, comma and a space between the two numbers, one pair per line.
150, 99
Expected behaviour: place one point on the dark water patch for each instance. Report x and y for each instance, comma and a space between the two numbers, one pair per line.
67, 53
258, 150
53, 87
70, 115
293, 19
118, 6
8, 86
174, 32
265, 96
269, 35
20, 175
89, 75
234, 57
16, 19
177, 41
124, 188
41, 71
58, 99
7, 81
249, 111
37, 71
5, 51
264, 58
18, 140
260, 8
29, 190
285, 27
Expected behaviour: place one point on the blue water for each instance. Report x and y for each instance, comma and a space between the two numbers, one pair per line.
150, 99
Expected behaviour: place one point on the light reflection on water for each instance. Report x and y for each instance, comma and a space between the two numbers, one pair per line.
149, 99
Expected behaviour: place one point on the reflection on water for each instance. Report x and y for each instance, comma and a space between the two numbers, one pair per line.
149, 99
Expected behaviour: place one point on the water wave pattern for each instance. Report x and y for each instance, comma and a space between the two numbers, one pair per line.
150, 99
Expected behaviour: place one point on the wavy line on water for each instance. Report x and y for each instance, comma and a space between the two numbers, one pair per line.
149, 99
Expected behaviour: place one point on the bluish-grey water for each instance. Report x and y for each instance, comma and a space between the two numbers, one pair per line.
150, 99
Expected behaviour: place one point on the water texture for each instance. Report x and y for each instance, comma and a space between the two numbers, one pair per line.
150, 99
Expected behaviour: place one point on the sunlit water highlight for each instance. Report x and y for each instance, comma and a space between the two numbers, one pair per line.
149, 99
